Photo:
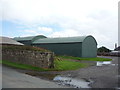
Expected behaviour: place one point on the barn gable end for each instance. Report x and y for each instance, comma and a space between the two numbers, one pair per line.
89, 47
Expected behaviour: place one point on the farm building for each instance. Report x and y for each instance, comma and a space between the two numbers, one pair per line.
8, 41
117, 48
28, 40
83, 46
115, 52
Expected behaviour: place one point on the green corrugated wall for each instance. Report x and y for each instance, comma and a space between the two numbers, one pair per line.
71, 49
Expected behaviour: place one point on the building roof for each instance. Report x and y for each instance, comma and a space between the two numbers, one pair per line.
6, 40
29, 38
61, 40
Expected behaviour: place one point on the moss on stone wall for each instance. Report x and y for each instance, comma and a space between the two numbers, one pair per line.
18, 47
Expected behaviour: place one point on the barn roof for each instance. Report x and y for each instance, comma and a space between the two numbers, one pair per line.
61, 40
29, 38
6, 40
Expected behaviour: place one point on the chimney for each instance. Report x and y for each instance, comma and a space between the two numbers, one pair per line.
115, 45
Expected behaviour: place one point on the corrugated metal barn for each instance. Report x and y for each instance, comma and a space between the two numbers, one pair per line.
83, 46
28, 40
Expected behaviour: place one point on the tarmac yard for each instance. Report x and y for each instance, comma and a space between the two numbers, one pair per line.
102, 76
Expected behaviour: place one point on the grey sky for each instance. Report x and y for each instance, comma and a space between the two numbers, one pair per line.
65, 18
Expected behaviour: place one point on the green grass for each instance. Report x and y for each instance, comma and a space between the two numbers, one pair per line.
68, 65
21, 66
59, 65
96, 59
88, 59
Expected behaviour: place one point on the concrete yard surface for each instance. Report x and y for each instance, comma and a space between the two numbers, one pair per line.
13, 79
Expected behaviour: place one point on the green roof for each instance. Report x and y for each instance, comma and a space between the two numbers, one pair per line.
61, 40
31, 38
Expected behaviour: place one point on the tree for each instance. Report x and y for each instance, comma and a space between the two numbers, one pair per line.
103, 49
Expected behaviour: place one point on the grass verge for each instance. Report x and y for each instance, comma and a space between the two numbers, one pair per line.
61, 65
88, 59
21, 66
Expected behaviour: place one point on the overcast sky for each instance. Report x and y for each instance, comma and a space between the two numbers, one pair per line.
61, 18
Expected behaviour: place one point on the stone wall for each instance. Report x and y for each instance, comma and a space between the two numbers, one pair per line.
34, 58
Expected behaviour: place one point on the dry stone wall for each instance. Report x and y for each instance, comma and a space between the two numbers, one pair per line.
34, 58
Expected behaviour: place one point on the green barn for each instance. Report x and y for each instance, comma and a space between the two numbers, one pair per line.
83, 46
28, 40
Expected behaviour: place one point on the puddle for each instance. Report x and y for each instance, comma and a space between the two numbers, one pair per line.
75, 83
117, 88
99, 63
